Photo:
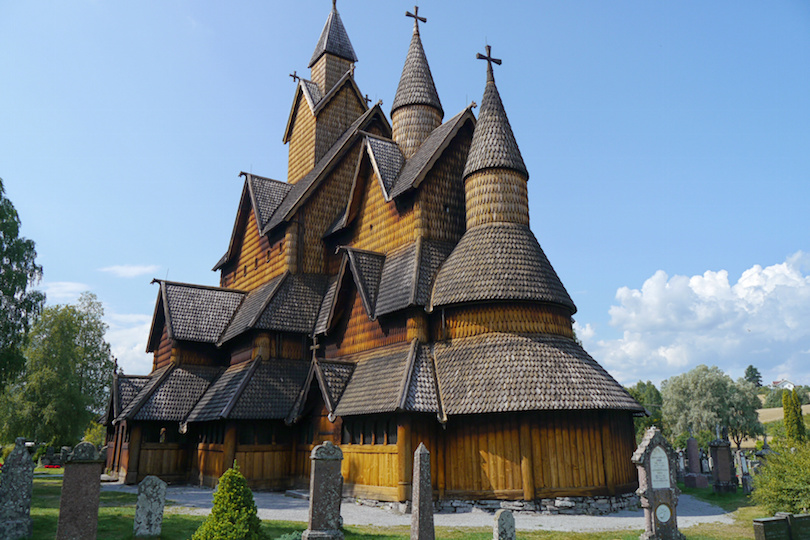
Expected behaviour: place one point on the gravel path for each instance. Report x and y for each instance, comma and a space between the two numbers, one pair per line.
277, 506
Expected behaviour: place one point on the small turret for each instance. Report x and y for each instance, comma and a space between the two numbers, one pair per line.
495, 176
416, 111
334, 54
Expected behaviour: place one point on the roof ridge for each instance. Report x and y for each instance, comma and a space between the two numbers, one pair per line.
198, 286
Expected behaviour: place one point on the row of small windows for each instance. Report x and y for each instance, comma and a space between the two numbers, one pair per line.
369, 431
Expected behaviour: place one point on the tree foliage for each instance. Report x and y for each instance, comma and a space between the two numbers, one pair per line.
706, 397
650, 398
794, 421
65, 383
783, 483
774, 397
753, 376
19, 304
233, 516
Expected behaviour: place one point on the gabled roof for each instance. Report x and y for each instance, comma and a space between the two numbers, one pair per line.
493, 144
304, 187
408, 273
380, 381
251, 309
171, 393
366, 269
193, 312
265, 196
255, 390
333, 378
327, 305
415, 169
317, 102
333, 40
504, 372
123, 390
416, 85
387, 161
498, 262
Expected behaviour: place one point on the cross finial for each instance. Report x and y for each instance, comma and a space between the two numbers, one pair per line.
368, 99
294, 76
416, 18
334, 5
489, 60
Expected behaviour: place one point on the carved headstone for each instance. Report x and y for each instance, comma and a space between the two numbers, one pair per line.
16, 489
693, 455
724, 481
422, 503
325, 492
81, 484
149, 511
658, 491
504, 528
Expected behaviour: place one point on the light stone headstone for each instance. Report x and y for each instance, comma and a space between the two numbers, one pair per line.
149, 510
422, 501
16, 490
81, 486
325, 493
658, 491
504, 528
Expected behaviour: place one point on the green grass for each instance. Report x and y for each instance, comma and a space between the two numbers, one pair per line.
117, 513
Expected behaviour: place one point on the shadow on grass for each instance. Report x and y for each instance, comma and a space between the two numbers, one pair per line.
729, 502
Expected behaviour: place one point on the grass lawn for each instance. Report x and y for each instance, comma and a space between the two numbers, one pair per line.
117, 512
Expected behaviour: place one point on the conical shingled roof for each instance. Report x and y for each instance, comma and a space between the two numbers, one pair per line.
333, 40
498, 262
416, 83
493, 144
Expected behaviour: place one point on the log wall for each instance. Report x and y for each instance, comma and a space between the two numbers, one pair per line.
163, 354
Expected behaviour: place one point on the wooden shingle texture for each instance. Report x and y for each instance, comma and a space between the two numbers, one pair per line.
503, 372
416, 85
251, 308
500, 261
294, 306
197, 313
333, 40
271, 391
213, 404
175, 396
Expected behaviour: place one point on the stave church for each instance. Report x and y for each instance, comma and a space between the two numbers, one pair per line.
388, 292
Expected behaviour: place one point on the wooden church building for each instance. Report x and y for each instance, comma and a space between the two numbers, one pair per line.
389, 292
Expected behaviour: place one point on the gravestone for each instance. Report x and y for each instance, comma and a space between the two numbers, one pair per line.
681, 465
658, 491
775, 528
694, 477
724, 479
81, 484
325, 492
149, 510
504, 528
16, 489
422, 499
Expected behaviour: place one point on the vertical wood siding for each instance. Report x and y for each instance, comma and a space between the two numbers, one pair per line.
520, 318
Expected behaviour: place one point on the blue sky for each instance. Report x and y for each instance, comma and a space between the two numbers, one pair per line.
667, 146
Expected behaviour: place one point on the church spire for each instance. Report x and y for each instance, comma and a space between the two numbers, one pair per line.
495, 175
334, 54
493, 145
416, 110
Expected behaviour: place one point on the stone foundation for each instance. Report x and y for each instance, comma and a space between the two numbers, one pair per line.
592, 506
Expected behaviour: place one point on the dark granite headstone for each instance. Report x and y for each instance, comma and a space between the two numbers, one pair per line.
724, 481
775, 528
325, 493
16, 490
658, 491
422, 503
693, 455
81, 484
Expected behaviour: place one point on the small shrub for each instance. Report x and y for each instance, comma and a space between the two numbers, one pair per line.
233, 516
783, 484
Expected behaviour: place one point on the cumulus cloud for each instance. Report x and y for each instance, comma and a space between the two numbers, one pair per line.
63, 292
130, 270
127, 335
672, 324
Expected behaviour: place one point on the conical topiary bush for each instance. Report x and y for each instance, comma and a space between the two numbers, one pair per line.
233, 516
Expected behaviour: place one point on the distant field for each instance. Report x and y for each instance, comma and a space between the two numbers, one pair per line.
776, 413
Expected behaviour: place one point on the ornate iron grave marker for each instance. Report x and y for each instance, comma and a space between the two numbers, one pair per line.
656, 464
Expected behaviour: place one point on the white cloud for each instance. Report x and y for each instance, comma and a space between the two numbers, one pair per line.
130, 270
672, 324
63, 292
127, 335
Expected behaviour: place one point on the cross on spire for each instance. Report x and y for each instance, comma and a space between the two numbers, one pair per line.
416, 17
294, 76
489, 60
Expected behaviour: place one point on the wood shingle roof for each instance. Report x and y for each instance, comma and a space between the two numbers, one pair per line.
416, 86
333, 40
